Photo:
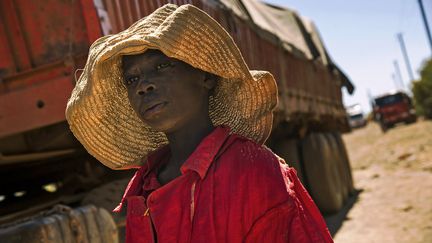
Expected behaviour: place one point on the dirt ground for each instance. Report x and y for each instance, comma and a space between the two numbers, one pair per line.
393, 173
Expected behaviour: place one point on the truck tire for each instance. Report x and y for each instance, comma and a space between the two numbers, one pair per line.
411, 120
337, 160
346, 163
108, 196
321, 175
62, 224
384, 127
288, 150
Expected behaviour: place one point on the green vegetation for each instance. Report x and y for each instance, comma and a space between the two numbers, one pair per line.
422, 91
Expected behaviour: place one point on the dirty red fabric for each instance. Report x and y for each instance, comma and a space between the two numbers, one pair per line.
231, 190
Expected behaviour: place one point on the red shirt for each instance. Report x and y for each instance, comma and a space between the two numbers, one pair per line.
231, 190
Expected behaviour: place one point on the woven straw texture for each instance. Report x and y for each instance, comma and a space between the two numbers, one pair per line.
99, 112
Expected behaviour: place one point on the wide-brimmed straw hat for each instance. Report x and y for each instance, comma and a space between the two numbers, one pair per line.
101, 117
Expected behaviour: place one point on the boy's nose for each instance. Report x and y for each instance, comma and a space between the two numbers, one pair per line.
144, 87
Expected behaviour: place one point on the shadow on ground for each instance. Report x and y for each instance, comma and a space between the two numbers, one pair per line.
335, 221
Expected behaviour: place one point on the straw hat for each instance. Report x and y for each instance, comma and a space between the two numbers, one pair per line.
99, 112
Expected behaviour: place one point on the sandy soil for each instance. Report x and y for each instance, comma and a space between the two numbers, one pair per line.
393, 172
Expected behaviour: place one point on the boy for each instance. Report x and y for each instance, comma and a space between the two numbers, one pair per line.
173, 96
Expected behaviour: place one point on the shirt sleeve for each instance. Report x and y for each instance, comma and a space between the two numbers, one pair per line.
295, 220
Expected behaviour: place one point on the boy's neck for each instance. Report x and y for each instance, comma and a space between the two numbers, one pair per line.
184, 141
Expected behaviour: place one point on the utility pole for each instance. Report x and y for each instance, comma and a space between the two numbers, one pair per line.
405, 54
395, 81
397, 77
428, 33
370, 97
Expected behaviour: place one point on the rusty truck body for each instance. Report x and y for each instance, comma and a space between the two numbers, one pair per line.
43, 43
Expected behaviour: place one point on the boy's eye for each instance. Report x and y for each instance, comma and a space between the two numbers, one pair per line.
163, 65
131, 80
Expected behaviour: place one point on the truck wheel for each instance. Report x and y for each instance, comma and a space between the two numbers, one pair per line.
321, 175
412, 119
346, 164
384, 127
288, 150
108, 196
62, 224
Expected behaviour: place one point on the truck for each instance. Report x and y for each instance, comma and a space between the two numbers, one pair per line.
392, 108
43, 46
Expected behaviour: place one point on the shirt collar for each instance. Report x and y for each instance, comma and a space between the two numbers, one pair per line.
199, 161
203, 156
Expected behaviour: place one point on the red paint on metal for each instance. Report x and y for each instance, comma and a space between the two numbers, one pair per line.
34, 107
25, 80
42, 43
131, 10
15, 34
91, 18
51, 30
6, 61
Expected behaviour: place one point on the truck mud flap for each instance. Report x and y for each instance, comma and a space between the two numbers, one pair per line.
62, 224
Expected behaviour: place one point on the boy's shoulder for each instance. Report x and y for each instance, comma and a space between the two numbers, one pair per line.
246, 166
249, 150
247, 155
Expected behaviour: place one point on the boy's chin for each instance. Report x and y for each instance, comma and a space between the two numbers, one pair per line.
168, 126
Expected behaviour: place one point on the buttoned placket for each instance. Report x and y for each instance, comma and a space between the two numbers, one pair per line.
192, 205
148, 214
196, 167
150, 201
194, 192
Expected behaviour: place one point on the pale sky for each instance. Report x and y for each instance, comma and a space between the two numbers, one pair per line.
360, 36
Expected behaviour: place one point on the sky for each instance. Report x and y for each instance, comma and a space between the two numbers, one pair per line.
360, 36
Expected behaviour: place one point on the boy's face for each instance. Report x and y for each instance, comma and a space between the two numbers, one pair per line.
165, 93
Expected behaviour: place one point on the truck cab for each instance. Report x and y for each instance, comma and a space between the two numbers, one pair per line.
356, 117
392, 108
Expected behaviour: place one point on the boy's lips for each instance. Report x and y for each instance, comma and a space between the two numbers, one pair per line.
154, 109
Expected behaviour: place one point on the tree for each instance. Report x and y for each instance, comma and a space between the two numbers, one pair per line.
422, 91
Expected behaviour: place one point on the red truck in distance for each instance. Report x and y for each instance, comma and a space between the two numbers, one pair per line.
392, 108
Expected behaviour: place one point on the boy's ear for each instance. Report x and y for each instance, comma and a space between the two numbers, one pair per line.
210, 81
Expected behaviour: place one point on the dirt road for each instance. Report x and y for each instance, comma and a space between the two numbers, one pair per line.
393, 172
